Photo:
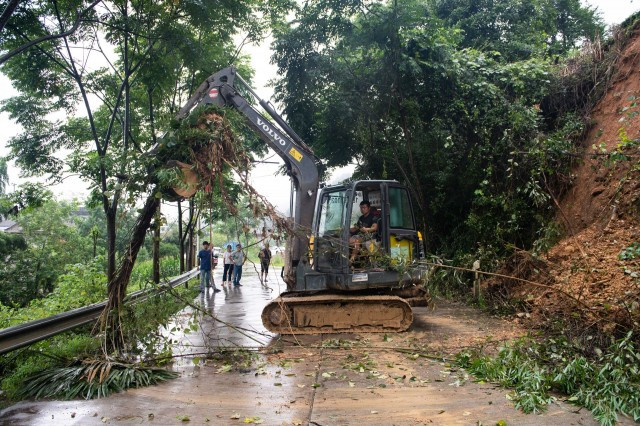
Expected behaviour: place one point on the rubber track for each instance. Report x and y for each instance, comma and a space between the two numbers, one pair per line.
329, 313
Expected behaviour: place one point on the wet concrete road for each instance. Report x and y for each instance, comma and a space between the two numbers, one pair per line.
368, 379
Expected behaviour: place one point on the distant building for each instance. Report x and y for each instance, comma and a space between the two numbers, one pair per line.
10, 227
81, 212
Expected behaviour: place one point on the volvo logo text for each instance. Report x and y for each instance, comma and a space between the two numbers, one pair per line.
271, 132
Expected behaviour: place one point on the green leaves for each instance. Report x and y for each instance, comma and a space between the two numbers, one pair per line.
521, 29
92, 379
606, 384
34, 149
630, 252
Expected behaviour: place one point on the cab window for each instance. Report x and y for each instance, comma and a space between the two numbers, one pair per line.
355, 209
400, 215
332, 210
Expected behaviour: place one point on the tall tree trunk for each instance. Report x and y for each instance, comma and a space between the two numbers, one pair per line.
112, 210
111, 243
192, 234
117, 289
184, 239
127, 73
37, 271
180, 238
156, 233
190, 257
156, 247
8, 11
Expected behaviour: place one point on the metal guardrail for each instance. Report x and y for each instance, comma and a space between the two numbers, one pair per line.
25, 334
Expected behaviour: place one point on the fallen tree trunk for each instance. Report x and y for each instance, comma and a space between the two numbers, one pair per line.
110, 321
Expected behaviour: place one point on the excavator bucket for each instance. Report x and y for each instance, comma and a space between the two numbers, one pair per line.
189, 185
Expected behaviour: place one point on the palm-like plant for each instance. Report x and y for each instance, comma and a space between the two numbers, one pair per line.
92, 379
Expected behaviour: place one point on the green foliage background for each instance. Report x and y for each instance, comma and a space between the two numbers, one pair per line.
447, 97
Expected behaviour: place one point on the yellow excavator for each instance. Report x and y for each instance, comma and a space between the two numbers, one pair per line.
327, 292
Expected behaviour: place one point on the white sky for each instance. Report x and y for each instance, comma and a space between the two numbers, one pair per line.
275, 188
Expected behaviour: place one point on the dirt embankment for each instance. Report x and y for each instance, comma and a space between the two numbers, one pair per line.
589, 284
600, 186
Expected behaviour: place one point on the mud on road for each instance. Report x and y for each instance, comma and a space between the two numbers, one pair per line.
377, 379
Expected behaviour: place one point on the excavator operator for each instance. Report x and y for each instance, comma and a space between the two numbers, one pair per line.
364, 230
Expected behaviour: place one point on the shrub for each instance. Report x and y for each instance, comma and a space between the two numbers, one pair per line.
80, 285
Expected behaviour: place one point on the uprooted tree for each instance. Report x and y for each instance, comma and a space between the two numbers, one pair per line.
199, 152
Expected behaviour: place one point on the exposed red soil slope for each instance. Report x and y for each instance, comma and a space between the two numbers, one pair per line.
596, 188
588, 284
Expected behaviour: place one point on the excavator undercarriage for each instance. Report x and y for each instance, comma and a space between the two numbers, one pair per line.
300, 313
336, 313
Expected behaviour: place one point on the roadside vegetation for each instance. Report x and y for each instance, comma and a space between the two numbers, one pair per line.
72, 353
70, 277
606, 381
69, 273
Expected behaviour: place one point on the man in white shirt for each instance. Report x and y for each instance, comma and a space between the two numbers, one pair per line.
238, 260
227, 273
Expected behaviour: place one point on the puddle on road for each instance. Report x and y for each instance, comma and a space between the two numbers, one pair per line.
238, 310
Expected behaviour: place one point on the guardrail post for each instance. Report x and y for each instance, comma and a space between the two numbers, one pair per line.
476, 280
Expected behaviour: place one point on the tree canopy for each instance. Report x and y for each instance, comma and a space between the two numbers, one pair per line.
521, 29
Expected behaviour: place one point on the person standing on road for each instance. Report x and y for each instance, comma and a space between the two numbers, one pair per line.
227, 273
204, 260
238, 260
265, 260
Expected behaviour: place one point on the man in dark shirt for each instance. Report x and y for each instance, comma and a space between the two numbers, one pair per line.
204, 260
365, 229
265, 260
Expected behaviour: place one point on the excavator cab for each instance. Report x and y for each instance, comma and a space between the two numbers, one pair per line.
395, 241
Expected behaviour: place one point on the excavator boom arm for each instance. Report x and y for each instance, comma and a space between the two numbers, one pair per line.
221, 89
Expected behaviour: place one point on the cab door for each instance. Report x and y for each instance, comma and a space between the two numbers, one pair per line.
401, 233
329, 251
